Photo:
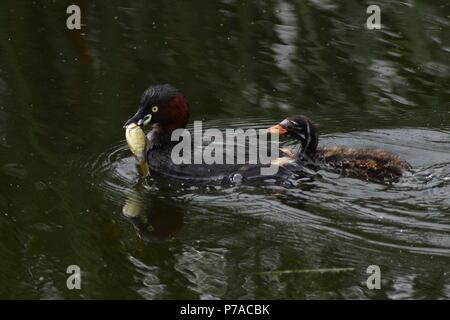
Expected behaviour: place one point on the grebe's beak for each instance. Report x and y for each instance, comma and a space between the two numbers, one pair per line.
132, 120
277, 129
139, 119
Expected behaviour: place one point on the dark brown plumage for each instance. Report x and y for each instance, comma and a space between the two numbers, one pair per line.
367, 164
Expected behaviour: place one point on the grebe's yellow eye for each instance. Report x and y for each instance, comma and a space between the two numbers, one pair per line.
155, 109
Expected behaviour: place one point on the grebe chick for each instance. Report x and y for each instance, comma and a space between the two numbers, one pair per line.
368, 164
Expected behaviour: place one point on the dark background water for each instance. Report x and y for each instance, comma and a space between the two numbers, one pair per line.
66, 173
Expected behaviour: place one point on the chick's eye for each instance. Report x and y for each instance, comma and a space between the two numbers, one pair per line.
155, 109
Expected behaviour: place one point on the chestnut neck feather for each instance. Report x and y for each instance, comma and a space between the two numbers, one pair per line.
174, 115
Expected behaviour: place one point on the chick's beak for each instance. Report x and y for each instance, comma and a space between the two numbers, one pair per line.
277, 129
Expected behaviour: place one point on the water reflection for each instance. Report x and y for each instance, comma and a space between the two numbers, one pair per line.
154, 218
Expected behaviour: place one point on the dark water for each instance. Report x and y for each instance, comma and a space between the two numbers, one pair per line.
66, 172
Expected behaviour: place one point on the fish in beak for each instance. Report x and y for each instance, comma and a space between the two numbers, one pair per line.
138, 145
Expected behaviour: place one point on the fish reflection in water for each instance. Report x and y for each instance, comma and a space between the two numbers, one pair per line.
154, 220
